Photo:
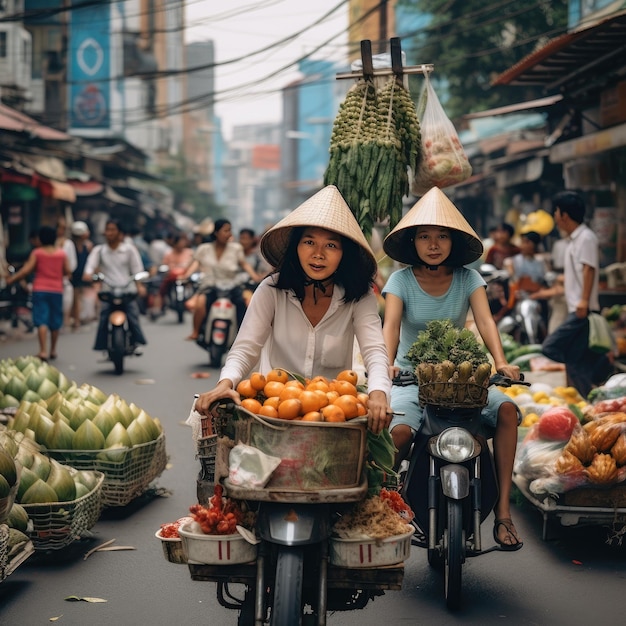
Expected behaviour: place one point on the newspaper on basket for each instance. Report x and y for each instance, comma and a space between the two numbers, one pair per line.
249, 467
195, 421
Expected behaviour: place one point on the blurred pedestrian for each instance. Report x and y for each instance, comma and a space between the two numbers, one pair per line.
66, 243
569, 343
80, 237
50, 265
502, 247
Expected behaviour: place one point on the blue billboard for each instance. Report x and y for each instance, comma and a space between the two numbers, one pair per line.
90, 67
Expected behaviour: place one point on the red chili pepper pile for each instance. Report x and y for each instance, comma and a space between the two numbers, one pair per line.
170, 530
220, 517
397, 503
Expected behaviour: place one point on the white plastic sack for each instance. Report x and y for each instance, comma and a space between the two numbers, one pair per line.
195, 421
249, 467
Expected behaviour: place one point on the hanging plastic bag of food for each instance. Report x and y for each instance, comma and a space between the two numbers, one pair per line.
444, 161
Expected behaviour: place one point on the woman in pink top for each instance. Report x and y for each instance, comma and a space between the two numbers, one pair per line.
177, 259
50, 265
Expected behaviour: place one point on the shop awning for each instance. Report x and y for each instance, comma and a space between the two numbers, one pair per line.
592, 143
572, 57
18, 122
56, 189
86, 187
529, 105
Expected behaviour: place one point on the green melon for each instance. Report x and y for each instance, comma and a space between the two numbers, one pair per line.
5, 488
138, 433
7, 400
54, 401
16, 388
18, 518
41, 466
67, 409
87, 478
50, 372
9, 444
118, 435
127, 415
47, 389
44, 426
25, 458
34, 379
81, 413
97, 396
62, 482
30, 396
105, 421
63, 383
81, 490
27, 478
116, 453
88, 437
7, 468
60, 436
39, 493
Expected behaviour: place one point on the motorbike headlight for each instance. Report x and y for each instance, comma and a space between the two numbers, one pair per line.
455, 445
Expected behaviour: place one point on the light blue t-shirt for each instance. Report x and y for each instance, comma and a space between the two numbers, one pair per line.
421, 308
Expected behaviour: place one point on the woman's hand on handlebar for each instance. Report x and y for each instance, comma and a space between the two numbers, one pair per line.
511, 371
223, 390
378, 412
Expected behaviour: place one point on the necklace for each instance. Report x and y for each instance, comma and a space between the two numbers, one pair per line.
318, 284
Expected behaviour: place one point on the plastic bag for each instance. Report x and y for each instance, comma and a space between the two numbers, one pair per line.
195, 421
600, 336
249, 467
443, 161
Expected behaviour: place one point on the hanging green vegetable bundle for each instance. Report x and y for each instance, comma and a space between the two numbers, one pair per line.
375, 140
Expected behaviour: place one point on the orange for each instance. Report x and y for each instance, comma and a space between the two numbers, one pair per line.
294, 383
252, 405
343, 387
257, 380
319, 379
349, 376
322, 396
289, 392
290, 409
333, 413
273, 388
332, 396
312, 416
245, 389
318, 384
272, 401
362, 409
363, 398
311, 401
268, 411
277, 375
349, 405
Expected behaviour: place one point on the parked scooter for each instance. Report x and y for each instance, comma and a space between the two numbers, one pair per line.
451, 486
16, 304
118, 297
219, 328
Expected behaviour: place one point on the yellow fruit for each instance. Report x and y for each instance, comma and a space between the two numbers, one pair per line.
539, 395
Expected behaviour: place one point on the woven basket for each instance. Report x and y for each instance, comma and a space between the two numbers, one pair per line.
454, 395
9, 563
4, 549
314, 455
57, 524
127, 471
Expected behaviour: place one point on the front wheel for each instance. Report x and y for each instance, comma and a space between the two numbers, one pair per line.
118, 347
287, 605
453, 554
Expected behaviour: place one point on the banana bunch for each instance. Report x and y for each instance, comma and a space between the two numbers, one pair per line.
375, 139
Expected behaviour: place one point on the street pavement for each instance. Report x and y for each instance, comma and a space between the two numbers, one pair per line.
574, 577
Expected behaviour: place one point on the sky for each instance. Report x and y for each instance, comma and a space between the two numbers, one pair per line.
241, 27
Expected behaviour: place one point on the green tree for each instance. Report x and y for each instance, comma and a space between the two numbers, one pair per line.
473, 41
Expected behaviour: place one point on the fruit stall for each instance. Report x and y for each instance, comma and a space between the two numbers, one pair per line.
67, 451
571, 457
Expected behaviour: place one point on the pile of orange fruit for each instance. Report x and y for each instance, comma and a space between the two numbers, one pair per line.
277, 394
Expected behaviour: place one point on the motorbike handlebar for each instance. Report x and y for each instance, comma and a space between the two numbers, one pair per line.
406, 377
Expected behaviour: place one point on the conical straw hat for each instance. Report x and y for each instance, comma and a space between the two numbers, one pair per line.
326, 209
433, 209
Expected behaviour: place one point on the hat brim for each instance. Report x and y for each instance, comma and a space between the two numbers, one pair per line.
433, 209
326, 209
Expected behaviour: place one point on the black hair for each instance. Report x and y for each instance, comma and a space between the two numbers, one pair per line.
247, 231
47, 235
508, 228
531, 235
349, 275
570, 203
117, 223
217, 226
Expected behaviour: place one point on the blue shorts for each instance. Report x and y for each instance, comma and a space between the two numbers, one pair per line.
406, 400
48, 309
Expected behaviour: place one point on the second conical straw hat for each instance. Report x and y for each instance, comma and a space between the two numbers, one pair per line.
433, 209
326, 209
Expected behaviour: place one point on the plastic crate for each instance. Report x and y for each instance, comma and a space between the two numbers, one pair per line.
314, 455
57, 524
127, 471
356, 553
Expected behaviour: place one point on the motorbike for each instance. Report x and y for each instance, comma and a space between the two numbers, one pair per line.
180, 290
219, 328
451, 486
293, 580
16, 304
119, 342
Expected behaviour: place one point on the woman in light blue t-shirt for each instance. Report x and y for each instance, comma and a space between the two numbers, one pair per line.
435, 241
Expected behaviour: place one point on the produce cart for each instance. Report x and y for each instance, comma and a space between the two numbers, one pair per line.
583, 506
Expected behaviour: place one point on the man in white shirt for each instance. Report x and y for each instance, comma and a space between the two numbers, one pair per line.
118, 261
569, 343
